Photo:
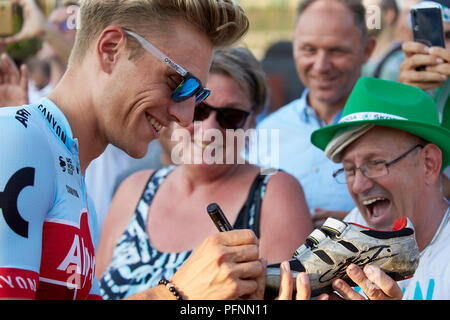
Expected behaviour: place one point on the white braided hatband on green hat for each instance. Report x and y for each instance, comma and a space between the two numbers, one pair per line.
384, 103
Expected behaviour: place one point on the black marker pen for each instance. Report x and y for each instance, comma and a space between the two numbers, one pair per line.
218, 217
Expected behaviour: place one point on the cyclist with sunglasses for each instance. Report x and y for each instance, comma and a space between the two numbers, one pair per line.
114, 91
158, 217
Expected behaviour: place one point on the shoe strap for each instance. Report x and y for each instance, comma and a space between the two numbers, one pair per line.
315, 238
331, 227
334, 226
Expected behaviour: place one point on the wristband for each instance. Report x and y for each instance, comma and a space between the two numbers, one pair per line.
171, 288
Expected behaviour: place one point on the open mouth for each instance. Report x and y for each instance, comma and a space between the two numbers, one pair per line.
377, 208
155, 124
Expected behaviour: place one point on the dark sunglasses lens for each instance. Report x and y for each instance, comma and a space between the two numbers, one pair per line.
201, 112
185, 90
231, 118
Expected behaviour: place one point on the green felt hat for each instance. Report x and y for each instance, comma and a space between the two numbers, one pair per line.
390, 104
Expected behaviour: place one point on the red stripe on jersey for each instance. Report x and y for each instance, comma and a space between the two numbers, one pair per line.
68, 260
18, 283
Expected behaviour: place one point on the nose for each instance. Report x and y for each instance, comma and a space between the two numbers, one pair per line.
211, 121
360, 183
182, 112
322, 62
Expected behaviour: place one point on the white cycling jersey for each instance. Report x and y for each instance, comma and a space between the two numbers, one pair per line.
47, 222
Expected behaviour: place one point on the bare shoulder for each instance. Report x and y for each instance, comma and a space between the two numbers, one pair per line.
284, 194
284, 182
285, 218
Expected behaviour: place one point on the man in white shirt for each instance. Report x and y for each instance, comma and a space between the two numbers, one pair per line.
393, 150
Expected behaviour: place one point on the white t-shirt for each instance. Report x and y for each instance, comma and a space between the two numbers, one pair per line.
431, 280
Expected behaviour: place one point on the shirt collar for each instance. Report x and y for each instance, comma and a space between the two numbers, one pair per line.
57, 122
308, 114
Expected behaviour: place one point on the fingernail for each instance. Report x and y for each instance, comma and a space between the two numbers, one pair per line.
351, 269
370, 269
286, 267
337, 284
283, 266
303, 278
439, 60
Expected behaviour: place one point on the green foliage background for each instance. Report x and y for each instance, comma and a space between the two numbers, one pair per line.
23, 50
270, 21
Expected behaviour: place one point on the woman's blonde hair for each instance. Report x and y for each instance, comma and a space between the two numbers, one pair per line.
223, 21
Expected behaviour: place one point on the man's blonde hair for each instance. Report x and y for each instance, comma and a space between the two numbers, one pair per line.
223, 21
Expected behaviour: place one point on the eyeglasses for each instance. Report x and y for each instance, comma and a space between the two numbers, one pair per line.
228, 118
189, 87
370, 169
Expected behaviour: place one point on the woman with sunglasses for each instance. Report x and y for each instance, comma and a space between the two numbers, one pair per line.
158, 217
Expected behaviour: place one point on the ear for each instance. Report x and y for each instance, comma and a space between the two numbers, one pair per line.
371, 42
432, 160
110, 45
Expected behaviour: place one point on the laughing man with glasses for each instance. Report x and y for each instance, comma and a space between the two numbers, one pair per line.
393, 150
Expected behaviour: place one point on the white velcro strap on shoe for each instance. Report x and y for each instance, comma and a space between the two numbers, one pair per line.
317, 236
334, 225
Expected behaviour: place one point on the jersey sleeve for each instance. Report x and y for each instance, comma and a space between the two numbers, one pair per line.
26, 194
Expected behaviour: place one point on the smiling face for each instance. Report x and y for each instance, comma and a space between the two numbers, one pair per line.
137, 99
383, 200
328, 50
225, 93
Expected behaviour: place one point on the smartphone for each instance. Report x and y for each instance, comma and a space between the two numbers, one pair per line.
427, 25
6, 18
218, 217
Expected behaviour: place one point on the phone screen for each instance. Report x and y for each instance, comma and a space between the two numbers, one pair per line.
427, 26
6, 18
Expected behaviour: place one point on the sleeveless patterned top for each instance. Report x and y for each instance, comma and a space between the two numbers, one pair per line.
137, 266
